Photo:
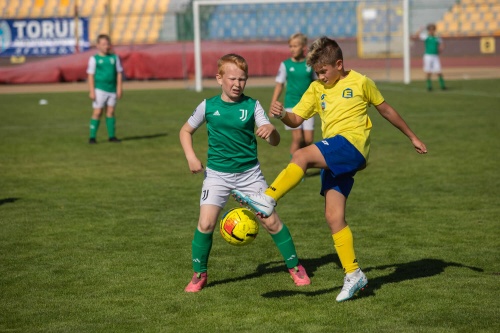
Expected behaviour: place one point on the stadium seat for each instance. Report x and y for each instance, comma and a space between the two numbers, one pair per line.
24, 10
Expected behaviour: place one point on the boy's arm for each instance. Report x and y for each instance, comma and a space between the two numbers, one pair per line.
278, 89
269, 133
441, 45
395, 119
186, 138
119, 81
288, 118
90, 80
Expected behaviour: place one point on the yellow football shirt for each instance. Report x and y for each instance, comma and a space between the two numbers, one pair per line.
343, 108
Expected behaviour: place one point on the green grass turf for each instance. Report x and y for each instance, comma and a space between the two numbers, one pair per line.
98, 238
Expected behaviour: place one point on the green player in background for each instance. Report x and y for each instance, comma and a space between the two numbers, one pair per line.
231, 119
433, 47
105, 85
297, 75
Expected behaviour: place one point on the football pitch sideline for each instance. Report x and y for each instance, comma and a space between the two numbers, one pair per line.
97, 238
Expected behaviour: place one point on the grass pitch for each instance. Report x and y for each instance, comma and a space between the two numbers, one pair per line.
98, 238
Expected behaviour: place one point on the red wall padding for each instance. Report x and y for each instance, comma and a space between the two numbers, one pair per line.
162, 61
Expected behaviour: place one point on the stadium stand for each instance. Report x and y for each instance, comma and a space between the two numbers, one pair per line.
275, 21
150, 21
132, 21
471, 18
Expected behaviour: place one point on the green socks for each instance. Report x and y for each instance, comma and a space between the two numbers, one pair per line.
201, 246
94, 125
441, 82
110, 124
284, 242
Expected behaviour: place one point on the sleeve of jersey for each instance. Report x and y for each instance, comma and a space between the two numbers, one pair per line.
306, 107
372, 93
260, 115
119, 67
198, 117
281, 77
91, 66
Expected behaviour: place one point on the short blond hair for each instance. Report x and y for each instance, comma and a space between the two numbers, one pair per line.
300, 36
233, 58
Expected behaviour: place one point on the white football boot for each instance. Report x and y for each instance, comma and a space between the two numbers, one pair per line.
353, 282
261, 203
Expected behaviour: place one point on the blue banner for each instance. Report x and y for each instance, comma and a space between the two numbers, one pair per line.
43, 37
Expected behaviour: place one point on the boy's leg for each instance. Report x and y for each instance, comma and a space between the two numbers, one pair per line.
283, 240
201, 246
355, 279
94, 124
308, 131
111, 123
291, 176
429, 82
441, 81
297, 141
97, 109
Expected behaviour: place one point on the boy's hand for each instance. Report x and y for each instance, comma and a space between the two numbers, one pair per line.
419, 146
277, 110
92, 95
265, 131
195, 165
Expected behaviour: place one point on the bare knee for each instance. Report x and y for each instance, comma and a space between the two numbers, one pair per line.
335, 220
96, 114
272, 223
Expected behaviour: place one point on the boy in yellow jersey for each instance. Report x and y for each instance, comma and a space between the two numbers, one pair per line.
341, 98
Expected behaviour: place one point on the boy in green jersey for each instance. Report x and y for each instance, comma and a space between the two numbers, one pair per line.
231, 118
431, 62
105, 85
341, 98
297, 75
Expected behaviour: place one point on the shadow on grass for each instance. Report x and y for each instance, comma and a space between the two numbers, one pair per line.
142, 137
402, 272
8, 200
272, 267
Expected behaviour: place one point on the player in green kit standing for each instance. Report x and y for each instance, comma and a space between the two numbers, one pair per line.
297, 75
105, 85
431, 62
231, 119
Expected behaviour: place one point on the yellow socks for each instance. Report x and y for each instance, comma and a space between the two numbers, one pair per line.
290, 177
344, 244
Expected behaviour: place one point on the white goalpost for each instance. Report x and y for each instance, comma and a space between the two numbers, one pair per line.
197, 4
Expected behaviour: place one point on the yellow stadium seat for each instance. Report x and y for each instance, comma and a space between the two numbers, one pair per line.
100, 7
122, 7
137, 7
10, 9
466, 27
24, 10
449, 17
452, 27
163, 6
151, 7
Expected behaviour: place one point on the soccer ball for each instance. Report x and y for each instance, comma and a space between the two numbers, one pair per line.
239, 226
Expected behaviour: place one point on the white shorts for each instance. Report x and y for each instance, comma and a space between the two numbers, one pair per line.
432, 64
307, 125
217, 185
103, 98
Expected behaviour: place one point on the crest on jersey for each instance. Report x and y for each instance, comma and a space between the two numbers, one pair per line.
347, 93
